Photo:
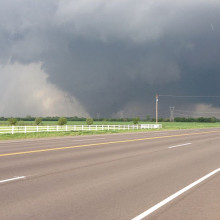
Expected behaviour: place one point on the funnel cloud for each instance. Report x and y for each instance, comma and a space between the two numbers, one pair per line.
109, 58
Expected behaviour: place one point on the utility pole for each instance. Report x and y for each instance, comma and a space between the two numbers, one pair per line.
157, 108
171, 114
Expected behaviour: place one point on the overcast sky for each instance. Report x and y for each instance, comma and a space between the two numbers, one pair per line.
109, 58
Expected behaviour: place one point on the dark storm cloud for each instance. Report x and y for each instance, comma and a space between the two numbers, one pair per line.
114, 56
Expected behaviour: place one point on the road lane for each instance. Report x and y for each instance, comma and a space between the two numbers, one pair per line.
115, 181
46, 162
5, 151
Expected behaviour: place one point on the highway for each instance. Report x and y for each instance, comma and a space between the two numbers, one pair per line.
161, 175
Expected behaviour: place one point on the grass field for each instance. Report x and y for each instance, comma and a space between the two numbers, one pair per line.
166, 125
59, 134
189, 125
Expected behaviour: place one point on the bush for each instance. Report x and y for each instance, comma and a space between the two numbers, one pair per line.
213, 119
89, 121
136, 120
12, 121
62, 121
38, 121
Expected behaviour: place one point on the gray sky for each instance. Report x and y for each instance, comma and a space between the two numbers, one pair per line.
83, 57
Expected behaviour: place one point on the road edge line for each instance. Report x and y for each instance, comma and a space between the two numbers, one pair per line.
175, 195
12, 179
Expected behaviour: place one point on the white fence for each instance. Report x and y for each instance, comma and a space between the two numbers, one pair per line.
55, 128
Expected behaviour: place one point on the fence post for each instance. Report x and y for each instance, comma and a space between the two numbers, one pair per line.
108, 127
96, 127
102, 127
82, 127
37, 129
25, 129
57, 128
12, 129
66, 128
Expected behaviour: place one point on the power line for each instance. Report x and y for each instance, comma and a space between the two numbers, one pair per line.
187, 115
189, 96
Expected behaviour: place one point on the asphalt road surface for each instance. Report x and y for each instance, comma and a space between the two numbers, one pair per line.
166, 175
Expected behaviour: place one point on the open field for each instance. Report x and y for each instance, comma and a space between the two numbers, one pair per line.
166, 126
189, 125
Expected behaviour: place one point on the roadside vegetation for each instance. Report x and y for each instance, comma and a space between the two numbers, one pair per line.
62, 134
105, 121
180, 123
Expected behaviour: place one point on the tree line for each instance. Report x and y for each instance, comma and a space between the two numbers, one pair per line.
190, 119
89, 121
61, 121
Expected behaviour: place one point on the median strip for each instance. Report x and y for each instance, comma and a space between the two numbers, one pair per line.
104, 143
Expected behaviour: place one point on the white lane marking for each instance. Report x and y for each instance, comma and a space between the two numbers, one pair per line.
92, 139
165, 201
179, 145
12, 179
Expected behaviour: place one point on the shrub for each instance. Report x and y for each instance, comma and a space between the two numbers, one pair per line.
136, 120
89, 121
12, 121
38, 121
62, 121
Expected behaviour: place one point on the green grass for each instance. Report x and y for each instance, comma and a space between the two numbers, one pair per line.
166, 125
189, 125
60, 134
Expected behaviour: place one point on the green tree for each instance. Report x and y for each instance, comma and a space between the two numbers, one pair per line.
38, 121
136, 120
62, 121
12, 121
89, 121
213, 119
